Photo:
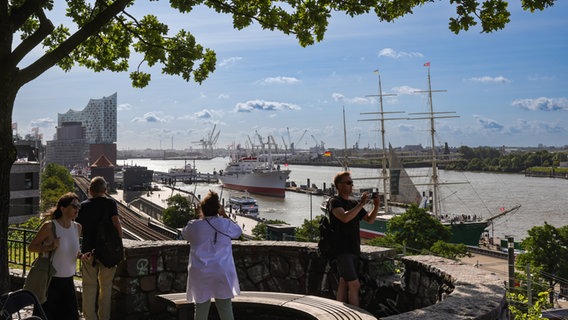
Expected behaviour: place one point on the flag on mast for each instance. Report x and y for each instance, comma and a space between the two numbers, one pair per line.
427, 64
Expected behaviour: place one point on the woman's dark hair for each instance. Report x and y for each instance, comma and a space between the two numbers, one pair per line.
64, 201
209, 206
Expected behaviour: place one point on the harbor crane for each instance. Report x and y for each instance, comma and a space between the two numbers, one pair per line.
292, 145
356, 146
272, 142
208, 143
320, 147
285, 145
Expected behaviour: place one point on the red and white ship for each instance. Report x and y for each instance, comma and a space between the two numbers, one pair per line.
255, 176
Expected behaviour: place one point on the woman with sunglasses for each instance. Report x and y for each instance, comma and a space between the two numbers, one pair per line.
61, 301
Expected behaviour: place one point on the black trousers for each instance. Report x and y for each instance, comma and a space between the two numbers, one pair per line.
61, 301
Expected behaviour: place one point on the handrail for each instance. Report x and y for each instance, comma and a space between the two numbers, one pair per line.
18, 241
18, 254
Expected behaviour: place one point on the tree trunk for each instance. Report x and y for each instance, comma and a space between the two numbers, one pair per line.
8, 90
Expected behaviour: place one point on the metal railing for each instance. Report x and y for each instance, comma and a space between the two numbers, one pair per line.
18, 254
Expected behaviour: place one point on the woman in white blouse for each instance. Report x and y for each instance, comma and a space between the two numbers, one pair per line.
211, 269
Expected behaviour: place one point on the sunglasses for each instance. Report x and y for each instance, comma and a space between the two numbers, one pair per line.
349, 182
76, 205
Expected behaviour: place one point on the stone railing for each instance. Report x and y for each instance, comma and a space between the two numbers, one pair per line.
439, 288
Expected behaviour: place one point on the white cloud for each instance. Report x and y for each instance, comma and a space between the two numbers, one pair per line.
223, 96
489, 124
262, 105
542, 104
354, 100
488, 79
391, 53
124, 107
43, 123
404, 90
149, 117
204, 114
337, 96
280, 80
229, 61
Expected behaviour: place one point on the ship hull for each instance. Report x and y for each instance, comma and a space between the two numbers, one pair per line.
468, 233
271, 183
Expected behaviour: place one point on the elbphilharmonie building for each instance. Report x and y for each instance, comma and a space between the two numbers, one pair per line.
83, 136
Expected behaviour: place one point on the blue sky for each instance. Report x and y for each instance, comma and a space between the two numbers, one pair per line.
508, 88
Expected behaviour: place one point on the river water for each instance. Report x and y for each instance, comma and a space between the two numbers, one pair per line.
470, 193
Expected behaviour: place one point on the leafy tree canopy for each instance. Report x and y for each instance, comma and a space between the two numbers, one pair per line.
55, 181
179, 211
417, 229
546, 250
105, 33
309, 230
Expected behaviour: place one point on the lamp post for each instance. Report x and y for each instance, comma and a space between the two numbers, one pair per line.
511, 258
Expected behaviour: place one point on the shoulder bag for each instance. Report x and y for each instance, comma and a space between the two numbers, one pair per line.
39, 277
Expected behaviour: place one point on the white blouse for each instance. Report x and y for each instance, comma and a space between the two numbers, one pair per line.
65, 256
211, 269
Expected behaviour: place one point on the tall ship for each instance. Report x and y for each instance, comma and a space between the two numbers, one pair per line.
256, 176
399, 188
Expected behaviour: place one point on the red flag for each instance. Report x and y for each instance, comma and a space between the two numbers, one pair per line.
427, 64
327, 154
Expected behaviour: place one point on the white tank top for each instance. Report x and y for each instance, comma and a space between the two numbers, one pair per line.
65, 257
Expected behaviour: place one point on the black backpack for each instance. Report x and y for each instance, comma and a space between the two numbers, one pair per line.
108, 246
326, 235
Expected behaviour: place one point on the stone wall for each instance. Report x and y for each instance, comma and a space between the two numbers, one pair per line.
438, 288
443, 289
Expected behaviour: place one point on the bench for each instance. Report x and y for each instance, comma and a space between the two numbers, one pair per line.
274, 305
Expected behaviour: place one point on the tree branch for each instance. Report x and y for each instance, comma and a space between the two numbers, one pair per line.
45, 28
49, 59
21, 14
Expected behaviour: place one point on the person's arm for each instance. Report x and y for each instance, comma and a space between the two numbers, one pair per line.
372, 216
44, 235
346, 216
116, 222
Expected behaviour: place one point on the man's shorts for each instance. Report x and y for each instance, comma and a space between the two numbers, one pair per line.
347, 266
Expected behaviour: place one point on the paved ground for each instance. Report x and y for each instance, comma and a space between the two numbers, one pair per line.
501, 268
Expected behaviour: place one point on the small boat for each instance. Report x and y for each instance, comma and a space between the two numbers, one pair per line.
187, 169
244, 204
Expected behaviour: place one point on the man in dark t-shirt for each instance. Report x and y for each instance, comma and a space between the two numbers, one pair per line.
94, 273
344, 218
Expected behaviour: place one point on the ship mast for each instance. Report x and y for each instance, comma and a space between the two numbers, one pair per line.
431, 116
381, 119
345, 161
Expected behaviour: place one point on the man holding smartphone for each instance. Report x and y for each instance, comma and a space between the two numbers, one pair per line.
344, 218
